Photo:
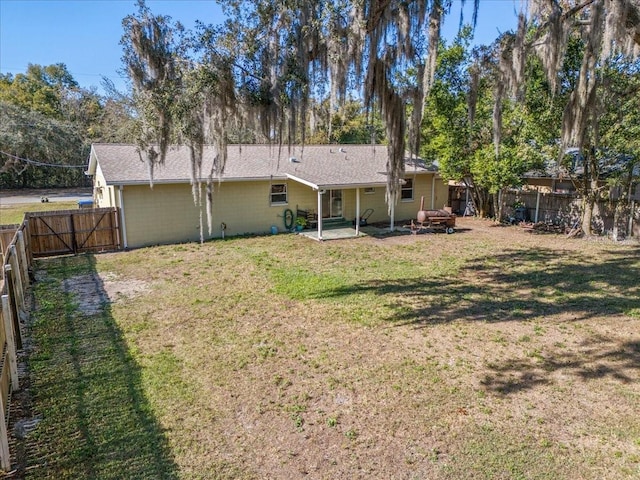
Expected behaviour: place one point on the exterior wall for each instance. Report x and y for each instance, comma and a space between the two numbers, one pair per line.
103, 194
164, 214
167, 214
245, 207
422, 187
367, 200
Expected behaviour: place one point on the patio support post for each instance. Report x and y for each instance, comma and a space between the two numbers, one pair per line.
319, 214
537, 204
357, 211
122, 222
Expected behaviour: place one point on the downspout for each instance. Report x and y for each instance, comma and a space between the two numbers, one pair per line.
319, 214
122, 222
433, 191
357, 212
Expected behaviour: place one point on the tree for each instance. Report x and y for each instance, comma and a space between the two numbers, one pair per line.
619, 133
605, 28
265, 68
459, 124
29, 141
48, 120
39, 89
272, 58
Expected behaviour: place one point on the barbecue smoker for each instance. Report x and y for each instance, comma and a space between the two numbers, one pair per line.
433, 220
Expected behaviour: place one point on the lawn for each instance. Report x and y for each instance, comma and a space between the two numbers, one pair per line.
14, 213
488, 354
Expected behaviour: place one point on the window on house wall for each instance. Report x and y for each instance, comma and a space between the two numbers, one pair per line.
278, 193
406, 192
369, 190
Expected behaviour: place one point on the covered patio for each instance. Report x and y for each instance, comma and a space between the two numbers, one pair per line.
346, 188
344, 232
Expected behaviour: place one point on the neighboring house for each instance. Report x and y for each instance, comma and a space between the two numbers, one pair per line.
554, 178
260, 182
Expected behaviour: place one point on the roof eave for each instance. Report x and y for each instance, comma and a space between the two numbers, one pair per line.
187, 181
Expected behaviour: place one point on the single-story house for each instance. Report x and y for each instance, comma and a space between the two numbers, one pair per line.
259, 184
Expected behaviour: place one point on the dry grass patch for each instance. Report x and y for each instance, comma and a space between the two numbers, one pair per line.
490, 353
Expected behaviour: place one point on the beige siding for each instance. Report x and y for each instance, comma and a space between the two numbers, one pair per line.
423, 186
164, 214
167, 214
404, 209
245, 206
102, 193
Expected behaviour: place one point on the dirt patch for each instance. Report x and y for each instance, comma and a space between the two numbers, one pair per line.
95, 291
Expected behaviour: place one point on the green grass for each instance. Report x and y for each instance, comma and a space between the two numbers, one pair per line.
435, 356
14, 214
88, 390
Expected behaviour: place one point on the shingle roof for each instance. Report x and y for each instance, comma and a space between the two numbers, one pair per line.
317, 165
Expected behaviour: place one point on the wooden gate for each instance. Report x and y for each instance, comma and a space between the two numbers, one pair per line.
73, 231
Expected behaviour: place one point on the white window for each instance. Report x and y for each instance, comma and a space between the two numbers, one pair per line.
406, 192
369, 190
278, 194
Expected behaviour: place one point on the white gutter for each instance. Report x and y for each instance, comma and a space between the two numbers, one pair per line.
304, 182
122, 222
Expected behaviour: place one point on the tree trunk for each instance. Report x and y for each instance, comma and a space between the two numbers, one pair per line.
483, 203
498, 204
621, 216
587, 213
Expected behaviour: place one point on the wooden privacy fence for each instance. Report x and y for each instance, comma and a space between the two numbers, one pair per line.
16, 262
565, 210
73, 231
40, 234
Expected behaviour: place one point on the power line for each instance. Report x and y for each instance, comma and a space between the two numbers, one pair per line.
39, 164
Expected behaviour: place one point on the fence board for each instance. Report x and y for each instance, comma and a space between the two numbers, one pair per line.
15, 282
8, 337
5, 456
73, 231
565, 210
7, 233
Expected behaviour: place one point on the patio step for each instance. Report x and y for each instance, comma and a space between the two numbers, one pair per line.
335, 223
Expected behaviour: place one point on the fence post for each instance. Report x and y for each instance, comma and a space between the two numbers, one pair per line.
11, 342
22, 259
27, 240
8, 278
5, 458
15, 267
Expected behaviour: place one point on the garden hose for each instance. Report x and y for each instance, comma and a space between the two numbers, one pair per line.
288, 219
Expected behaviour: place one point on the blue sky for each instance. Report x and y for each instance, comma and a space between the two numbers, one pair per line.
85, 34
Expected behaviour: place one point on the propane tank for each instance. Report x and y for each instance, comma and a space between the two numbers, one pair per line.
422, 214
